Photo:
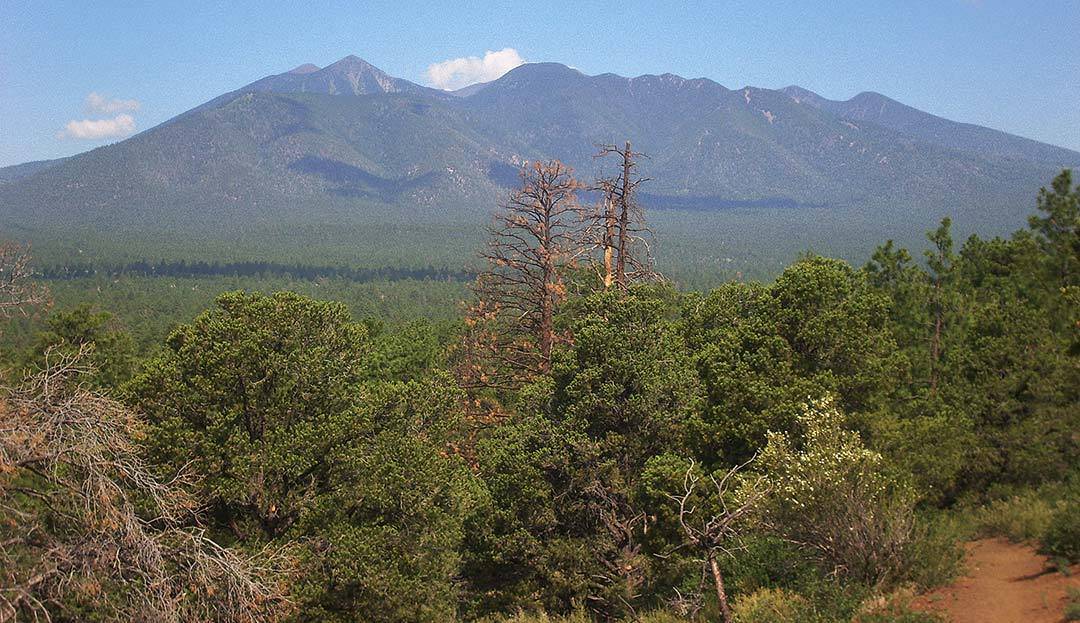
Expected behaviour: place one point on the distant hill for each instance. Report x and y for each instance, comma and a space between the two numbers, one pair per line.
259, 157
965, 137
12, 173
349, 143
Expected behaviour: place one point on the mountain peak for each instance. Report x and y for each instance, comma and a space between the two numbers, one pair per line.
873, 106
542, 76
350, 75
306, 68
871, 96
545, 70
352, 62
800, 95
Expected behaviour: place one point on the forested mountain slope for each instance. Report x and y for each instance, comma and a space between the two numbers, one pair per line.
348, 144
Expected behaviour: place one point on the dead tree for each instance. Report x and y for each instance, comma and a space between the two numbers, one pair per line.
716, 526
18, 292
84, 522
624, 235
538, 235
624, 566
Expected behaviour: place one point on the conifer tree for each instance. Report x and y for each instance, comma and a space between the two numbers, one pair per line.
1058, 228
940, 261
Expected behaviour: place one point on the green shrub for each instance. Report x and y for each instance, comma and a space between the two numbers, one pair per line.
537, 617
839, 498
765, 561
900, 615
935, 556
660, 616
1019, 518
1061, 539
1072, 604
771, 605
894, 607
1049, 515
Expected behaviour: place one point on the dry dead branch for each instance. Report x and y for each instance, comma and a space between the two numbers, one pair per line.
713, 524
625, 239
537, 236
624, 565
18, 291
84, 521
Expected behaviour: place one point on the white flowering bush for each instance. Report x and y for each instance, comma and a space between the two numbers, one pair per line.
837, 498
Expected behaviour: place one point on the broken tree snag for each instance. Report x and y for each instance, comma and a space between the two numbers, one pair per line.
627, 256
609, 242
625, 201
539, 234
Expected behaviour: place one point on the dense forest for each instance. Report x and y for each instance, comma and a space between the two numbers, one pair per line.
582, 441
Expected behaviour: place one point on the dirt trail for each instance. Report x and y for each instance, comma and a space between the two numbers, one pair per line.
1004, 583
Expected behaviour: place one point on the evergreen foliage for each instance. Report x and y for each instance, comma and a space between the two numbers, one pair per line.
861, 409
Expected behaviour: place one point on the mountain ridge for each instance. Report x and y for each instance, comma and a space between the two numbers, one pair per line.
969, 137
348, 142
350, 75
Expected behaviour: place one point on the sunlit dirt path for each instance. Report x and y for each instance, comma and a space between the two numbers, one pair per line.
1005, 583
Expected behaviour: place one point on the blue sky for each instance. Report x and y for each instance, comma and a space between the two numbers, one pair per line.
1008, 64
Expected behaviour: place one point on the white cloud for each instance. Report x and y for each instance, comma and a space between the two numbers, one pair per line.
118, 121
98, 104
456, 73
96, 129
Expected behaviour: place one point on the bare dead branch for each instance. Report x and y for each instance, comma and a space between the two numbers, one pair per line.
717, 530
537, 236
18, 291
627, 256
623, 562
99, 528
